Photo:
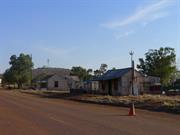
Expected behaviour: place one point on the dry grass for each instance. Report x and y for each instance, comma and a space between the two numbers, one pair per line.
150, 102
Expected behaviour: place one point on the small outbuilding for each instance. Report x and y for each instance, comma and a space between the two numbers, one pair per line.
119, 82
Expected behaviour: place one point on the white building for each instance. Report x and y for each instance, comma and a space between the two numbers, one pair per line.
54, 79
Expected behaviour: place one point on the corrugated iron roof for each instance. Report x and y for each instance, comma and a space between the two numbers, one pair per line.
50, 71
113, 74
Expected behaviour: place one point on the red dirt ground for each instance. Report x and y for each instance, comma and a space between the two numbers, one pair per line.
23, 114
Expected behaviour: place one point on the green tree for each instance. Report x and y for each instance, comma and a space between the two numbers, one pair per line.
82, 73
97, 73
20, 71
89, 71
159, 63
113, 68
8, 77
101, 70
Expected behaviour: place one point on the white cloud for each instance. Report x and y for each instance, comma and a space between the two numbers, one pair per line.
119, 35
144, 15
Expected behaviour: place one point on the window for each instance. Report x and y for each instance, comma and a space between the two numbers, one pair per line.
56, 84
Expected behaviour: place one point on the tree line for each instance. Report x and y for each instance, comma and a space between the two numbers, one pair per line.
157, 62
87, 74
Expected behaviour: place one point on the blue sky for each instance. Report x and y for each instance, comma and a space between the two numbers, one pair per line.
87, 32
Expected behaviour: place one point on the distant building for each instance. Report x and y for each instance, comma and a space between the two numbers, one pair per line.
119, 82
54, 79
91, 85
152, 85
74, 82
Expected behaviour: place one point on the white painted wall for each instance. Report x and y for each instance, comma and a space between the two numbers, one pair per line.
126, 83
62, 83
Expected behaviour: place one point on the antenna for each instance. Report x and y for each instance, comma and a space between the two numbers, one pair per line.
48, 62
131, 53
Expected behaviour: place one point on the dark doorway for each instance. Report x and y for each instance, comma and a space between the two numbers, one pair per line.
43, 85
56, 84
110, 87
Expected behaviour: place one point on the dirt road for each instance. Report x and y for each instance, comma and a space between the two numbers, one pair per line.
22, 114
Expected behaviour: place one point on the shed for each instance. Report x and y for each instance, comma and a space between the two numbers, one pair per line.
119, 82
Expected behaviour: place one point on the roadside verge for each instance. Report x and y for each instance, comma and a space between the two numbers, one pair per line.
157, 103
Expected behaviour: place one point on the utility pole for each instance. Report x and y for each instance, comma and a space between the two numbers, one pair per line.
132, 66
31, 71
132, 108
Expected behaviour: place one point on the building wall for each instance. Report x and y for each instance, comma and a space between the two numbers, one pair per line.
115, 83
74, 82
91, 86
62, 83
95, 85
126, 88
103, 87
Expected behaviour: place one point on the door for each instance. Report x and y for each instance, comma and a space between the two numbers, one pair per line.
109, 87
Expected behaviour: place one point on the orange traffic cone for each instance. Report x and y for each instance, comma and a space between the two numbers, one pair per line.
132, 110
